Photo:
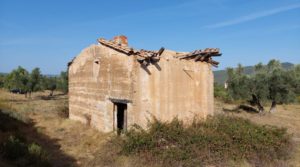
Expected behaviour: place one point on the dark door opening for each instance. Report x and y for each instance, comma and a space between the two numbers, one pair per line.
121, 116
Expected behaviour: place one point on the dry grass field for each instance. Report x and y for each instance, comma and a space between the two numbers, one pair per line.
70, 143
287, 116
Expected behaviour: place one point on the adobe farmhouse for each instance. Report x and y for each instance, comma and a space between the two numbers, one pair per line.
113, 86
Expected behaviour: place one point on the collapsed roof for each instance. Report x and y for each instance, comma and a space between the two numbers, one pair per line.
119, 43
146, 55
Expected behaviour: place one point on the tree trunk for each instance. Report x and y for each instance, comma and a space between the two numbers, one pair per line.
51, 93
273, 107
260, 108
256, 102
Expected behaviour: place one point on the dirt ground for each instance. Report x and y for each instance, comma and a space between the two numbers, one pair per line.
70, 143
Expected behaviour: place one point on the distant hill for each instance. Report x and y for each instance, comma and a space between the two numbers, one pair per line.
221, 75
2, 74
51, 75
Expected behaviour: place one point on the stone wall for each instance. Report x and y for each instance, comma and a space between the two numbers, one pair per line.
171, 88
97, 74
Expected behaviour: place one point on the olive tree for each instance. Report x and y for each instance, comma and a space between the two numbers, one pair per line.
49, 83
268, 83
34, 83
238, 83
18, 79
62, 82
2, 78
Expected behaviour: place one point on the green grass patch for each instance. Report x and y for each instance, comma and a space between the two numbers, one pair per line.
219, 140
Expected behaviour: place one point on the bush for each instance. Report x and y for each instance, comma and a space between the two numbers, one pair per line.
13, 148
298, 99
218, 140
21, 154
37, 155
221, 93
2, 78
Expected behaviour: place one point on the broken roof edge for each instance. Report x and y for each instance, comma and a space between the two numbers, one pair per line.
197, 55
118, 47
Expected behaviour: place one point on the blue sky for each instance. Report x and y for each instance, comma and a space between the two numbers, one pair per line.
48, 34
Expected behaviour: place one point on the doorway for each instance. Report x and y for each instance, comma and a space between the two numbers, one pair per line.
120, 119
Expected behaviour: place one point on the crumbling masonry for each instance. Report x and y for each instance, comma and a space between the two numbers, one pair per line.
112, 86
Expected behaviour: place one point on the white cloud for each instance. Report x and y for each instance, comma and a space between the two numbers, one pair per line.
253, 16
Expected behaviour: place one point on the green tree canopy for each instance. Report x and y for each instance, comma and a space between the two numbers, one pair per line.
35, 80
17, 79
49, 83
20, 79
62, 82
268, 83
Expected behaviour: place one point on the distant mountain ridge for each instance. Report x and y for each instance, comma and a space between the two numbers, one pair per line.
221, 75
2, 73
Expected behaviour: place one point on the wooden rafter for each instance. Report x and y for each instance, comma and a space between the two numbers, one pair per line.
146, 57
203, 55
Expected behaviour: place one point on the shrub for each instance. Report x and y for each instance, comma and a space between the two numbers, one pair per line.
37, 155
220, 91
21, 154
298, 99
13, 148
218, 140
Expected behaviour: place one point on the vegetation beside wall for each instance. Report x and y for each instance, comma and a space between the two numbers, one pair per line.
221, 93
220, 140
21, 153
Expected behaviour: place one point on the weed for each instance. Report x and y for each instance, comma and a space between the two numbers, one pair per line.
7, 109
37, 155
13, 148
63, 110
17, 150
218, 140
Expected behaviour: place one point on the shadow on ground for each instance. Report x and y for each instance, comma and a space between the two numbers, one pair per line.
11, 126
242, 107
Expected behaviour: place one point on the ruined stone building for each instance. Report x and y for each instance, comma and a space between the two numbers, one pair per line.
112, 86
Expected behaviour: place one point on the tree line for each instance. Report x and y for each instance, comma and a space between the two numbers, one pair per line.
269, 83
21, 81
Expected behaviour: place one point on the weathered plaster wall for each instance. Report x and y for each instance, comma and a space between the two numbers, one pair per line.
97, 74
172, 88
